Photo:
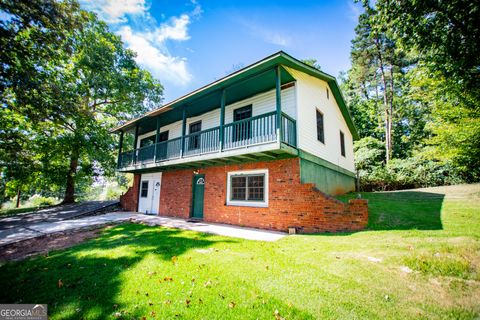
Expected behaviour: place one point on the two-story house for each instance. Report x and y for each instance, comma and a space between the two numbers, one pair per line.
263, 147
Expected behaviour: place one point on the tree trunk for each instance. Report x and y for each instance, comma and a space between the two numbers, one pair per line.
390, 124
387, 118
70, 187
18, 197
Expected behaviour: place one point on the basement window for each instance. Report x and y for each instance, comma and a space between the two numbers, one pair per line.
247, 188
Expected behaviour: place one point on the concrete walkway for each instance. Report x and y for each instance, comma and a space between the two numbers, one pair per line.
214, 228
33, 230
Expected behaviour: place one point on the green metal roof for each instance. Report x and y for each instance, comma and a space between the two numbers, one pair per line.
253, 79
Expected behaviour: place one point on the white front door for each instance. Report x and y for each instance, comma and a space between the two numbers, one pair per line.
149, 195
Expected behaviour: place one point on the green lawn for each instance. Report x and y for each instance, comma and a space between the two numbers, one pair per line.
420, 259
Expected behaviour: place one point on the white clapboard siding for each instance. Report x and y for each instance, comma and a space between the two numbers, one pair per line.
261, 103
311, 95
209, 120
174, 131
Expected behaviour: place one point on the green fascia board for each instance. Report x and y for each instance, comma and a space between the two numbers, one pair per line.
250, 72
322, 162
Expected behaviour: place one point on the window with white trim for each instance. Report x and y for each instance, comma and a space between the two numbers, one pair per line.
248, 188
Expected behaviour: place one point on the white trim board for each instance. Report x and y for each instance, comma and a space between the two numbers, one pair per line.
262, 204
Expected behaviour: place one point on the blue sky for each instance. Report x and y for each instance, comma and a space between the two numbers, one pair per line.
189, 43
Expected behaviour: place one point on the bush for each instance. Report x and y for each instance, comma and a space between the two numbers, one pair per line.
414, 172
407, 174
39, 201
114, 193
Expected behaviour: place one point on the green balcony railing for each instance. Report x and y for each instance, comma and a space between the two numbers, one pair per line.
170, 149
247, 132
251, 131
126, 159
289, 130
202, 142
146, 154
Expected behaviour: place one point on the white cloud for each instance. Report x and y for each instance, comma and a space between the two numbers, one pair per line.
266, 34
144, 35
177, 29
115, 11
162, 66
197, 9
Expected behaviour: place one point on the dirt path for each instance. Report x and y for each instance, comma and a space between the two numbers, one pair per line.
42, 245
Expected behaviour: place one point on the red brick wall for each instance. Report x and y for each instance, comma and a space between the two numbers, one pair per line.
291, 203
176, 193
129, 200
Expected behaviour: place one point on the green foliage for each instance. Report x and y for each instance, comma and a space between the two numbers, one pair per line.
414, 86
369, 153
413, 172
111, 189
39, 201
455, 127
57, 118
445, 35
312, 63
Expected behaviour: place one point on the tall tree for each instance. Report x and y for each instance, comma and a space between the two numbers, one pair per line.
34, 35
92, 83
445, 35
378, 84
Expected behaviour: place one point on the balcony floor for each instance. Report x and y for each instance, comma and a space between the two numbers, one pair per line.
263, 152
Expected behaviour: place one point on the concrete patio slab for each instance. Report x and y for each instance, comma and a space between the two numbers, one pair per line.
214, 228
12, 235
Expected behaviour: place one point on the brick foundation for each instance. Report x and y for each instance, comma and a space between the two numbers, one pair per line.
291, 203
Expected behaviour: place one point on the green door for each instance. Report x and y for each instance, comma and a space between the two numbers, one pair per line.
198, 192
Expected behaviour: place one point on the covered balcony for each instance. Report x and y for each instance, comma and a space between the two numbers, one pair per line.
241, 135
265, 136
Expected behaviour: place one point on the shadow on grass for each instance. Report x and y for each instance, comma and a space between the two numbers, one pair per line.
402, 210
90, 273
126, 268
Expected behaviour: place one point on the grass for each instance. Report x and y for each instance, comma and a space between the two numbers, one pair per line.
420, 258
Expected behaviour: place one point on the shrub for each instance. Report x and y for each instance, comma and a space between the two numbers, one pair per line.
113, 193
407, 174
39, 201
414, 172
